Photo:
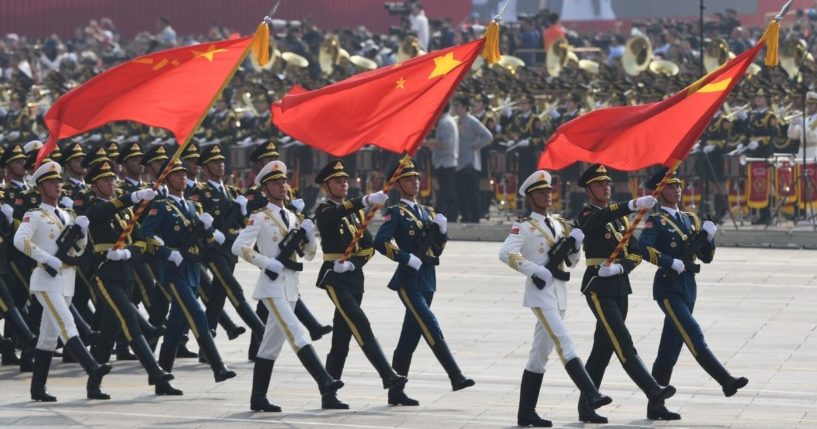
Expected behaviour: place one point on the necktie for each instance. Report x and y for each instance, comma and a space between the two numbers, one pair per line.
284, 217
680, 220
57, 213
550, 226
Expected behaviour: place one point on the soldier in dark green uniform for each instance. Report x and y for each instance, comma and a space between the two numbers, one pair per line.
338, 220
606, 287
113, 268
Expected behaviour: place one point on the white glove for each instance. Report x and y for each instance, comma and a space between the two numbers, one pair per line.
67, 202
342, 267
143, 195
578, 235
710, 229
309, 227
524, 143
754, 144
242, 202
219, 237
544, 274
441, 221
377, 198
82, 222
206, 220
742, 115
54, 262
175, 257
709, 148
611, 270
678, 266
118, 254
158, 240
642, 203
8, 211
14, 135
740, 147
299, 205
506, 106
275, 266
414, 262
96, 137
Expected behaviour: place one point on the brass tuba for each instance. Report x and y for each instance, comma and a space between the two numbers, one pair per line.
637, 55
558, 55
409, 48
716, 53
510, 63
329, 54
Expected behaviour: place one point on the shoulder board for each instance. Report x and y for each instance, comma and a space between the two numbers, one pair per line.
524, 219
258, 210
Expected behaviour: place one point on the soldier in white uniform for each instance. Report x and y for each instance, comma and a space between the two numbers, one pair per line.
796, 128
37, 237
266, 228
528, 249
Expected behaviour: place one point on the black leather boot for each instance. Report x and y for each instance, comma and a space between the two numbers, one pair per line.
716, 370
123, 351
309, 359
251, 319
42, 363
575, 369
643, 379
167, 357
233, 331
261, 374
397, 396
443, 354
208, 348
375, 354
587, 414
95, 371
182, 352
142, 350
657, 410
528, 396
334, 366
316, 330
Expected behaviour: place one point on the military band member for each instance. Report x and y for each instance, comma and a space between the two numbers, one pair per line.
762, 129
606, 287
665, 238
16, 123
796, 128
277, 285
411, 225
228, 207
113, 268
180, 229
338, 220
37, 238
527, 250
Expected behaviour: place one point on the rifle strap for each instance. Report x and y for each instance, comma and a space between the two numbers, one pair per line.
667, 218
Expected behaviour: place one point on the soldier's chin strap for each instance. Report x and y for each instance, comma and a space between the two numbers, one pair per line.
532, 202
330, 193
589, 189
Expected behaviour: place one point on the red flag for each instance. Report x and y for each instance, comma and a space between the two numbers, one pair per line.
634, 137
170, 89
392, 107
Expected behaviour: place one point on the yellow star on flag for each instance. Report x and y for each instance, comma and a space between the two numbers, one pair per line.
444, 64
209, 53
401, 84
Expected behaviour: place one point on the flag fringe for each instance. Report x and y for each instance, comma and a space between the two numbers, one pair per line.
260, 44
771, 38
491, 50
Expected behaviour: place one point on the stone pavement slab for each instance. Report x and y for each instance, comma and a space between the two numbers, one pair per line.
758, 309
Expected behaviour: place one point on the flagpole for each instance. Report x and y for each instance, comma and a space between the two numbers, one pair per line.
177, 154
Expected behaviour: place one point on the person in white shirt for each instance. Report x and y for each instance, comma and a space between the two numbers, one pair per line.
419, 24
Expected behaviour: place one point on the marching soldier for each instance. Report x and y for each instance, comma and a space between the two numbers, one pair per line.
420, 234
277, 284
528, 249
262, 154
338, 221
113, 268
606, 287
180, 230
37, 237
190, 160
666, 238
228, 207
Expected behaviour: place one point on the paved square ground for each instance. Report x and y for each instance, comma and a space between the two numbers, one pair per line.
758, 308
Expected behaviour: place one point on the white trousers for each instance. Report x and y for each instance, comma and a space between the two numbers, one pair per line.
57, 321
550, 333
282, 325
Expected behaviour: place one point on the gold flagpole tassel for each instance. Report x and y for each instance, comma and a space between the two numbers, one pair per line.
491, 49
260, 44
771, 38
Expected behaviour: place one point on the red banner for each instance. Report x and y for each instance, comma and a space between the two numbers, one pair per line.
759, 177
784, 183
807, 195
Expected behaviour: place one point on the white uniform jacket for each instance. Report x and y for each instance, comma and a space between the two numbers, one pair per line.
266, 230
526, 249
37, 238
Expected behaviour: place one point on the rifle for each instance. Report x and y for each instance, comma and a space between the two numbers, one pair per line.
556, 256
290, 245
429, 240
691, 249
196, 234
67, 240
